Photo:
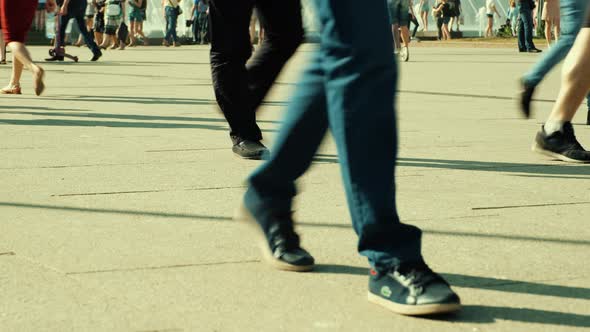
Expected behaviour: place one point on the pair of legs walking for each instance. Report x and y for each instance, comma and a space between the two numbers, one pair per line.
240, 87
349, 88
76, 12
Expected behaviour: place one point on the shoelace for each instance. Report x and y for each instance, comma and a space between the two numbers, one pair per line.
282, 233
419, 275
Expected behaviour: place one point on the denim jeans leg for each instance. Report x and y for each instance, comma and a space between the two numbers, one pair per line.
361, 78
572, 18
272, 186
173, 24
527, 19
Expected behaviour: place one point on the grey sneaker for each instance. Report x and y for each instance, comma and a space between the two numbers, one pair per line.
405, 54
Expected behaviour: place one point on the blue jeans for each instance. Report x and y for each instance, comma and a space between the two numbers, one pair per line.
349, 87
572, 19
171, 21
525, 28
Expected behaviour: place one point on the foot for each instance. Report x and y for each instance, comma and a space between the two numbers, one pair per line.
405, 54
3, 62
522, 50
279, 243
561, 145
588, 117
11, 89
526, 95
96, 56
165, 43
250, 150
146, 42
113, 47
121, 46
55, 58
534, 50
412, 289
176, 44
38, 84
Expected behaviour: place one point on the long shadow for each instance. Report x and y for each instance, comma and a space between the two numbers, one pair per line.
144, 100
484, 166
42, 108
128, 117
212, 218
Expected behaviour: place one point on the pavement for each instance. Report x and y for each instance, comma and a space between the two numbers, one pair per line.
119, 184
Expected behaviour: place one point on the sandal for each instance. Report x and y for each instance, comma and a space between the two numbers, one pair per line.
11, 90
38, 81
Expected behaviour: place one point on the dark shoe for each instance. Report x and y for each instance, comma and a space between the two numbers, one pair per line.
412, 289
96, 56
526, 95
55, 58
250, 150
534, 50
588, 118
562, 145
522, 50
279, 243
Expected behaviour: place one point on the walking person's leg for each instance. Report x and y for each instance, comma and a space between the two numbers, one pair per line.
283, 33
2, 49
528, 30
354, 80
572, 19
548, 31
230, 50
173, 26
88, 39
556, 138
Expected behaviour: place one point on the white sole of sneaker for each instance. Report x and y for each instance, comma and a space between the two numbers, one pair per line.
537, 148
414, 310
246, 217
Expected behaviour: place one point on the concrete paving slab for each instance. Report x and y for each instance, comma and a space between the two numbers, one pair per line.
119, 186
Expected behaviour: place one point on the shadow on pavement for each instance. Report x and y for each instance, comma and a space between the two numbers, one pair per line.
485, 166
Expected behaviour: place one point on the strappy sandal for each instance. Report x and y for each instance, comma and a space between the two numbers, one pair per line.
11, 90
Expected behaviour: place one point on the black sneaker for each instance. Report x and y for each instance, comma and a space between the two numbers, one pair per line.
250, 150
562, 145
526, 95
279, 243
534, 50
412, 289
588, 117
96, 56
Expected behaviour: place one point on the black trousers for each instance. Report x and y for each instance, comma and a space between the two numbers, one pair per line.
76, 11
416, 24
241, 85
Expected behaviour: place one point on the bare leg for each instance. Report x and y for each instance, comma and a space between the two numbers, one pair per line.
557, 28
548, 32
132, 27
405, 35
396, 36
22, 59
2, 48
575, 80
425, 20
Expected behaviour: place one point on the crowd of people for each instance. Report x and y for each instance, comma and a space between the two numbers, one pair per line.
349, 87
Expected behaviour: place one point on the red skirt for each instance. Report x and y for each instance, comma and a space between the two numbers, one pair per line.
17, 17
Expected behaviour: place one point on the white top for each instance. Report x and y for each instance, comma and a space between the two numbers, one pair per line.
490, 5
172, 3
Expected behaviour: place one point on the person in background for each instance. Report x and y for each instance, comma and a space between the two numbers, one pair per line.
399, 16
114, 13
437, 14
444, 9
98, 26
139, 25
413, 19
456, 18
525, 27
513, 16
171, 12
556, 138
17, 18
551, 17
39, 21
89, 17
424, 9
491, 9
200, 21
135, 19
74, 9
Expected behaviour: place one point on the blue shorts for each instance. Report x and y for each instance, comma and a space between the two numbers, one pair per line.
399, 12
